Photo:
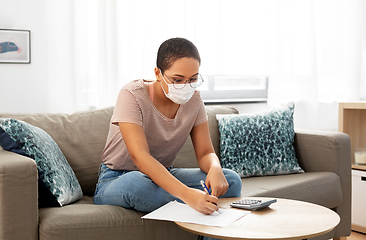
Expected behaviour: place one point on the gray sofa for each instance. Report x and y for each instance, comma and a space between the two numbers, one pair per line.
324, 156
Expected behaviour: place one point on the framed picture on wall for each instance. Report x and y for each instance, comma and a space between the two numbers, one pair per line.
15, 46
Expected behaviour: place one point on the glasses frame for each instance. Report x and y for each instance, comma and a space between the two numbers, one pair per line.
185, 82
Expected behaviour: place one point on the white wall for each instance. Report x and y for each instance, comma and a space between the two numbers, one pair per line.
23, 87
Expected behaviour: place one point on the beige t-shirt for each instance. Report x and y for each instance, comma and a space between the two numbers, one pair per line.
165, 136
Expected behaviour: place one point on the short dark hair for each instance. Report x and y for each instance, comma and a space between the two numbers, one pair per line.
173, 49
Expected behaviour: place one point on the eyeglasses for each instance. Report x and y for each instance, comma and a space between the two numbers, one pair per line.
180, 83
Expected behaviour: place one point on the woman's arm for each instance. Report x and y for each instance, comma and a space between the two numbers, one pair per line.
208, 160
138, 149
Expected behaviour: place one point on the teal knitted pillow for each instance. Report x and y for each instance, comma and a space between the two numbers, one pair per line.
259, 144
54, 172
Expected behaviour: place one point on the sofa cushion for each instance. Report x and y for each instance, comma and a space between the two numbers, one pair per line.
84, 220
314, 187
55, 174
259, 144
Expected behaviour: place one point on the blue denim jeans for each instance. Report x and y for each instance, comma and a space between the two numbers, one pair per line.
133, 189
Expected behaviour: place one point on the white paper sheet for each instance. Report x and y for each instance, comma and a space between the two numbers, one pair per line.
179, 212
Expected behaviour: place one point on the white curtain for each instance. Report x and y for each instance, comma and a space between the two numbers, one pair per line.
312, 50
317, 58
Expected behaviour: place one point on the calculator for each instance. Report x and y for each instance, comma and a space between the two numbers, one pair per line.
252, 204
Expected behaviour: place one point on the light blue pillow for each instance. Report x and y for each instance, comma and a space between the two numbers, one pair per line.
53, 169
259, 144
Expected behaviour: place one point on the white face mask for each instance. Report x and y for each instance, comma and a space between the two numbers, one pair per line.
178, 96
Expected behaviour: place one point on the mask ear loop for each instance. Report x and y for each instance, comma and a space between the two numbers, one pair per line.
161, 73
165, 83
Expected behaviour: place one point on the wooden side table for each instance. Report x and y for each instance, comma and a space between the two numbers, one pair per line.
285, 219
352, 120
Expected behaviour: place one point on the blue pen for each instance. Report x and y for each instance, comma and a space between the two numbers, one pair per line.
208, 191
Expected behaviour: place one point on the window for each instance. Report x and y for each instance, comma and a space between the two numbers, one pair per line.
225, 88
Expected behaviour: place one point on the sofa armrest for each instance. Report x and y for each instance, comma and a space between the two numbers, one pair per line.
18, 197
319, 151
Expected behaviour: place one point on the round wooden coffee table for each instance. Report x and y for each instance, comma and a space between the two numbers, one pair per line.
285, 219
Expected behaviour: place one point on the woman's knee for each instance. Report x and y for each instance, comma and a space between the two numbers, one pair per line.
134, 190
234, 182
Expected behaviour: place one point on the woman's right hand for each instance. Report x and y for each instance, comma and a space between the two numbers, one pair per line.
201, 201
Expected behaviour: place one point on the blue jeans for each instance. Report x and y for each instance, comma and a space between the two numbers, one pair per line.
133, 189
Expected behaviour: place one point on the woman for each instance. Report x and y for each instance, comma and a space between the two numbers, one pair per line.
150, 124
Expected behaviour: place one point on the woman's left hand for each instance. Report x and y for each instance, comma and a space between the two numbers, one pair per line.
216, 181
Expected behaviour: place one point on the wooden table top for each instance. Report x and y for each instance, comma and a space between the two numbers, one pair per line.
285, 220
